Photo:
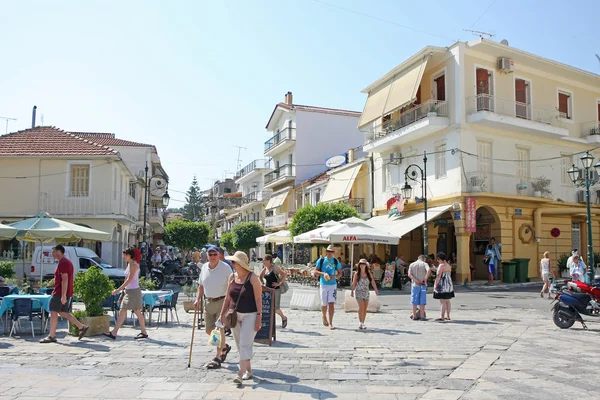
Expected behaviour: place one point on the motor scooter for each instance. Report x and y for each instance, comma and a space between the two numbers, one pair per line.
570, 304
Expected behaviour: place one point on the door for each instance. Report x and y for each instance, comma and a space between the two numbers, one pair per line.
522, 98
484, 100
440, 87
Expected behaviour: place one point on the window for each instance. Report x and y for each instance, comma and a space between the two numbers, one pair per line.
318, 196
440, 161
439, 88
576, 235
132, 187
565, 163
80, 180
523, 165
484, 89
523, 99
565, 104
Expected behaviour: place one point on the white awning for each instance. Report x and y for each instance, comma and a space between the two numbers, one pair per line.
395, 93
277, 200
402, 225
340, 184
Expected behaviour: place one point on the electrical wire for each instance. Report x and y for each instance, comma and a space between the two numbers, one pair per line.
53, 174
481, 16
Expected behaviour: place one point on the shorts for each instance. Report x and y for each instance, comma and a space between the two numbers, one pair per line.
277, 302
132, 299
546, 276
212, 312
491, 269
418, 295
57, 306
328, 294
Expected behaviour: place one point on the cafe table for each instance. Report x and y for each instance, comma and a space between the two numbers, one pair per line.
40, 300
151, 298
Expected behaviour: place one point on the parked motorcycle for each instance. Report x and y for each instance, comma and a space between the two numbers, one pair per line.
570, 303
172, 271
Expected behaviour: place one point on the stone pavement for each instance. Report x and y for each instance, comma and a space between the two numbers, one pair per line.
482, 354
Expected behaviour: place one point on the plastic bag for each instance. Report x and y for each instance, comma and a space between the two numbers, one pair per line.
215, 338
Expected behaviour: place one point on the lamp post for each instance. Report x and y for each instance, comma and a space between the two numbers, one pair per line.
586, 181
165, 204
412, 172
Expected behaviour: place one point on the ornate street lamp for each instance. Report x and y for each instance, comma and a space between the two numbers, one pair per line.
585, 181
416, 173
165, 204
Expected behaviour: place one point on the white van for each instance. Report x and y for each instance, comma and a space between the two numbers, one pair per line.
81, 257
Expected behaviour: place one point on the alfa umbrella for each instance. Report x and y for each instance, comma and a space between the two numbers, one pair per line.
43, 228
283, 236
7, 232
307, 237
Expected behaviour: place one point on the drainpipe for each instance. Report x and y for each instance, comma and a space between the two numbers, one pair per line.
372, 185
537, 216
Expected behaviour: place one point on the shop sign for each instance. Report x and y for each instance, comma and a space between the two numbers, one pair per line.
471, 223
518, 212
335, 161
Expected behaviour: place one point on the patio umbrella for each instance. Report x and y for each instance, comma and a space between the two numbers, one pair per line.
43, 228
307, 237
7, 232
283, 236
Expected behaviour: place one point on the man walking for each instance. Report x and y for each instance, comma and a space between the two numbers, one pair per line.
61, 295
329, 269
212, 283
418, 272
203, 256
497, 255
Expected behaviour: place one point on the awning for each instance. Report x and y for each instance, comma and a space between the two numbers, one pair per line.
395, 93
402, 225
277, 200
340, 184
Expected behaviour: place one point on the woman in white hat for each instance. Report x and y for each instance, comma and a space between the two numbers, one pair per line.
245, 291
360, 290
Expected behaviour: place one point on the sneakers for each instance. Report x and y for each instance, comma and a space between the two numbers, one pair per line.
238, 380
247, 376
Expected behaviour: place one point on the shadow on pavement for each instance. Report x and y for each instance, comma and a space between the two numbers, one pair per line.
86, 345
279, 343
4, 345
262, 380
468, 322
391, 331
303, 332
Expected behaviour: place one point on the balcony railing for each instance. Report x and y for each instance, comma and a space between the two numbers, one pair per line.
90, 204
284, 171
408, 117
590, 128
357, 203
257, 196
511, 108
252, 166
276, 220
510, 184
286, 134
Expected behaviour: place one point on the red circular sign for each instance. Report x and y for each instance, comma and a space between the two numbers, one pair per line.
555, 232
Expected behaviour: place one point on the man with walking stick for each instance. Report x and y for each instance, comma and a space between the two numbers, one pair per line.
212, 283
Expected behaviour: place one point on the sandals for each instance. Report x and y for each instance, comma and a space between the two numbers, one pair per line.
109, 335
214, 364
48, 339
83, 331
141, 336
284, 323
224, 353
247, 376
325, 323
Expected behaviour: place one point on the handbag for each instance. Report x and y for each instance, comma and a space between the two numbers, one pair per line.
230, 320
284, 287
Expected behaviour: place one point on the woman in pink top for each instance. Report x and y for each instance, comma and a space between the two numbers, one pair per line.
132, 300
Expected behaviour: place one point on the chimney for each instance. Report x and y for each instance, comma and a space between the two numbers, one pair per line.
289, 98
350, 155
33, 116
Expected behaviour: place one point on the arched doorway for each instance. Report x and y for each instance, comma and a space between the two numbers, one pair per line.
487, 227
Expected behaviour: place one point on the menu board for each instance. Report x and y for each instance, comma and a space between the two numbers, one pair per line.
388, 277
267, 333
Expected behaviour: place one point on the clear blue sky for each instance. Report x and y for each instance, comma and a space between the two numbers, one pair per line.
196, 77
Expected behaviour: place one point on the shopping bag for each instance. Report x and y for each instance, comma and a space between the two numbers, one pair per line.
215, 338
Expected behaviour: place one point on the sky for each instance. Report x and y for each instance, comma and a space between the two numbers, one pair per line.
196, 78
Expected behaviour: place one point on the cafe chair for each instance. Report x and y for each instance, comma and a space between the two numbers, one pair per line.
22, 308
169, 306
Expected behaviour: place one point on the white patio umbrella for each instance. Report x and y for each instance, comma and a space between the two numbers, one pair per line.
307, 237
283, 236
7, 232
43, 228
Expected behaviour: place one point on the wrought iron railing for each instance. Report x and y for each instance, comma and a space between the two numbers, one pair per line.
283, 171
285, 134
590, 128
511, 108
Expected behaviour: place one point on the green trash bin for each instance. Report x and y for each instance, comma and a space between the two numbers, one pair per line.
522, 269
509, 269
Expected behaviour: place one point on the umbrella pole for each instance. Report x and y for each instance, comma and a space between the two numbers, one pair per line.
351, 260
41, 263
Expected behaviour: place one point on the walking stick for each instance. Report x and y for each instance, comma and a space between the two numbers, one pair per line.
192, 342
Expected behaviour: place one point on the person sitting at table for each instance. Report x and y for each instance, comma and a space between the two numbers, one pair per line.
133, 296
61, 295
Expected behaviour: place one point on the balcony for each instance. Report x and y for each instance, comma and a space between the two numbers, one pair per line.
250, 171
488, 110
282, 141
591, 131
514, 185
421, 120
357, 203
115, 205
276, 221
155, 216
282, 174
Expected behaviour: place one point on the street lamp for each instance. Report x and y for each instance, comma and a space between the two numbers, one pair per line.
586, 181
412, 172
165, 204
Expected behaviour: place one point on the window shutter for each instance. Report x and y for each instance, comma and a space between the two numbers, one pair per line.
483, 81
520, 91
441, 87
563, 104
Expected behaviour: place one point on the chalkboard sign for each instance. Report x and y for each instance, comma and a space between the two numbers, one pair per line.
266, 334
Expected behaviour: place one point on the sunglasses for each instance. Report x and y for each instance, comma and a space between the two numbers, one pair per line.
213, 254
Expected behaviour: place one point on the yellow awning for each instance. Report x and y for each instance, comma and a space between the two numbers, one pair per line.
395, 93
340, 184
277, 200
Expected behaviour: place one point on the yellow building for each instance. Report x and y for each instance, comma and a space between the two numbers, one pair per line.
501, 127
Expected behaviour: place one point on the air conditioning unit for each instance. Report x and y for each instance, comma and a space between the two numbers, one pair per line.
580, 196
396, 158
506, 65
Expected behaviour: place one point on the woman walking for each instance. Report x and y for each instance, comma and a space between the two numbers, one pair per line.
244, 296
274, 276
545, 269
132, 300
360, 289
444, 289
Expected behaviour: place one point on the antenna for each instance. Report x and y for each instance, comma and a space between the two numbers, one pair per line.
238, 166
480, 33
8, 119
598, 57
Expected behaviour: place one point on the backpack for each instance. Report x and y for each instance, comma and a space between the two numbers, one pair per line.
319, 263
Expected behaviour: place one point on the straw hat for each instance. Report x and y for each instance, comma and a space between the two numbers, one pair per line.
363, 261
241, 258
330, 248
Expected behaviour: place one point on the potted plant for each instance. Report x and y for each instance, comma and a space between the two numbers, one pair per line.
92, 288
541, 187
147, 284
190, 292
48, 286
478, 183
432, 110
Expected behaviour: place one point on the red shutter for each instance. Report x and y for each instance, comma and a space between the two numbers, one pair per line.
483, 81
520, 91
598, 111
441, 87
563, 104
418, 101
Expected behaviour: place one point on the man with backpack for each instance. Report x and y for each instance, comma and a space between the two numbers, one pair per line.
329, 269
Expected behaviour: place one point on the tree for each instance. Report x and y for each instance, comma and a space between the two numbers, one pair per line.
193, 209
226, 241
186, 234
245, 234
310, 217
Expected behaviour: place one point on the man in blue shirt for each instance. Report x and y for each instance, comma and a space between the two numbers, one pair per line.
328, 269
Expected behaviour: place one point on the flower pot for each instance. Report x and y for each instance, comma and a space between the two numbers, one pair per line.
97, 325
475, 188
188, 305
432, 114
537, 193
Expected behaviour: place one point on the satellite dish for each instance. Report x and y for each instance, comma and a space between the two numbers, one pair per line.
504, 42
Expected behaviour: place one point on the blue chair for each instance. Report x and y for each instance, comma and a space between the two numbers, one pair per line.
169, 306
111, 303
22, 308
